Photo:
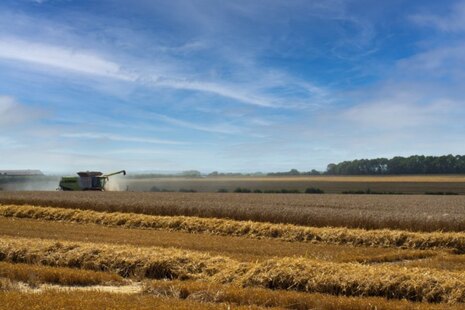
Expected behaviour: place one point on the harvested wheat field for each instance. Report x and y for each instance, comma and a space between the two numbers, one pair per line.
405, 212
196, 251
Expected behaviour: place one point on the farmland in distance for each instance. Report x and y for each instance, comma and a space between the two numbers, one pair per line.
410, 184
329, 184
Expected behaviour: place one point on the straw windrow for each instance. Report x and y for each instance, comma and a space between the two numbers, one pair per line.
351, 279
287, 232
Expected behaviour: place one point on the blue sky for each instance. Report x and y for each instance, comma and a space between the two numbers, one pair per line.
228, 85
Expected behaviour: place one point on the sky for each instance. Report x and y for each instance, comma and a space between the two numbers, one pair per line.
243, 86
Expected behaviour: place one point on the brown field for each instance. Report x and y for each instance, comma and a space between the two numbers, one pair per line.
440, 261
330, 184
286, 232
406, 184
101, 300
209, 292
194, 251
453, 178
242, 249
297, 274
406, 212
34, 275
12, 300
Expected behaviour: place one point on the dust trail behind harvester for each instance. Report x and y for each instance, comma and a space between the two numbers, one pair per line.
30, 184
116, 183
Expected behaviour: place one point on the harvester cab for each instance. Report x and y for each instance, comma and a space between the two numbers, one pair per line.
87, 181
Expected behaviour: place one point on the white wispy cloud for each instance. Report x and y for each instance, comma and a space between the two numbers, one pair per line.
60, 57
91, 63
119, 138
214, 128
453, 21
446, 61
168, 64
232, 92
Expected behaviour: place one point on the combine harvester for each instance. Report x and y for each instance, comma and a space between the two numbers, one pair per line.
87, 181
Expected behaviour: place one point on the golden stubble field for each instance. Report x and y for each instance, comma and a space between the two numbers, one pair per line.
201, 251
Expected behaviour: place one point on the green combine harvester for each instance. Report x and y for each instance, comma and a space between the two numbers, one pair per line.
87, 181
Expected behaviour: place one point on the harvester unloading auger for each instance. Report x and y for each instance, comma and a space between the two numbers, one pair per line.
87, 181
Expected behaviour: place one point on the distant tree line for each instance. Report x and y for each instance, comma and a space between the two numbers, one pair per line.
294, 172
417, 164
235, 174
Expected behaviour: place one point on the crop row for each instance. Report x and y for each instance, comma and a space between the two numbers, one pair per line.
216, 293
75, 300
247, 299
239, 248
162, 294
357, 237
298, 274
34, 275
405, 212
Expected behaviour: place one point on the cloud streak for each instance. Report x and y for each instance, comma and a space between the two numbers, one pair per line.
454, 21
90, 63
119, 138
60, 58
214, 128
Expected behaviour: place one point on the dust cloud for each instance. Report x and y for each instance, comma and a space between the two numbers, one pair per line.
30, 184
116, 183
